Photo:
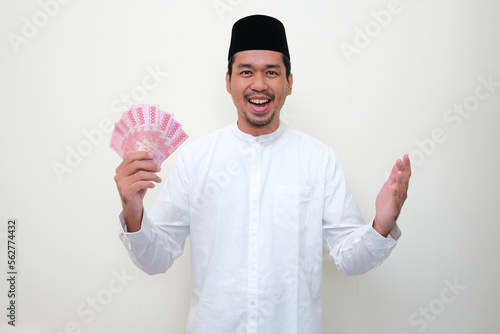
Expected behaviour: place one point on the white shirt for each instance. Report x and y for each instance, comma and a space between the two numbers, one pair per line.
259, 211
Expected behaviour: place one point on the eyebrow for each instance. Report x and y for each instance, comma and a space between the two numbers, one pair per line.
245, 65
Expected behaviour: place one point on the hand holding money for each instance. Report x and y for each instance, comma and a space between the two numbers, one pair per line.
144, 136
133, 178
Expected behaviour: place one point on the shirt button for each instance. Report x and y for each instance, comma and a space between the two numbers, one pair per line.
252, 302
255, 167
252, 267
254, 232
254, 200
256, 138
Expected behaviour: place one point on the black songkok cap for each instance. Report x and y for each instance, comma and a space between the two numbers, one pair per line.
258, 32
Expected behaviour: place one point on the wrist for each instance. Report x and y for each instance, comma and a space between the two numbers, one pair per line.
381, 229
133, 220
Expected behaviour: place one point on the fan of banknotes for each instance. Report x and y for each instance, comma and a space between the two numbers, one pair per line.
145, 127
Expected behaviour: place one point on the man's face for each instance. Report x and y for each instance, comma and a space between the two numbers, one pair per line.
259, 88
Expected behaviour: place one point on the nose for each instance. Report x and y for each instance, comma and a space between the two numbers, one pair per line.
259, 82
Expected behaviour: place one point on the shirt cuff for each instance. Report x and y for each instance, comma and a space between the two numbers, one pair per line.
378, 244
141, 237
395, 232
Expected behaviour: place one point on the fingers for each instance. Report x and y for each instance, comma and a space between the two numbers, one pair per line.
139, 176
400, 179
139, 168
406, 170
406, 161
394, 172
137, 187
392, 196
403, 166
401, 188
136, 173
137, 160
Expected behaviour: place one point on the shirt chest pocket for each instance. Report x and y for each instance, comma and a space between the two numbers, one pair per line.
291, 207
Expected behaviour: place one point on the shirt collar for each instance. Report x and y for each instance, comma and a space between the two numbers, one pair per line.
261, 139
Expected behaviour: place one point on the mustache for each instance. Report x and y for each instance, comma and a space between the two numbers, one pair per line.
247, 96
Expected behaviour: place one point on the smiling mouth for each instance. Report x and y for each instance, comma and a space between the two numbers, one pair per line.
259, 102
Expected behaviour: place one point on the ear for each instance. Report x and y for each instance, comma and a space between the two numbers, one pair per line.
228, 83
290, 84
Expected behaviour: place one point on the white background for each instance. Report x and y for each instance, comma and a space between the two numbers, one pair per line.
67, 67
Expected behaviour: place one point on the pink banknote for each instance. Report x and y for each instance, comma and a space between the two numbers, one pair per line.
117, 140
145, 127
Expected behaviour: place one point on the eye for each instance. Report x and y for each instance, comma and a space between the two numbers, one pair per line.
246, 72
272, 73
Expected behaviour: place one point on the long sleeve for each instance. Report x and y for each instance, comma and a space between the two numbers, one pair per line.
163, 232
354, 246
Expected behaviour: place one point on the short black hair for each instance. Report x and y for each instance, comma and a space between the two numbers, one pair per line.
286, 61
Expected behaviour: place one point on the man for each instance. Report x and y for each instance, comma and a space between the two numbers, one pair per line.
259, 201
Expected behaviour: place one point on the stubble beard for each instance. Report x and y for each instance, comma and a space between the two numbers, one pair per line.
260, 123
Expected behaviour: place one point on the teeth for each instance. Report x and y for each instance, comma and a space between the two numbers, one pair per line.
258, 101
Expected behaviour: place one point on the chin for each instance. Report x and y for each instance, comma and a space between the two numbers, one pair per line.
260, 121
